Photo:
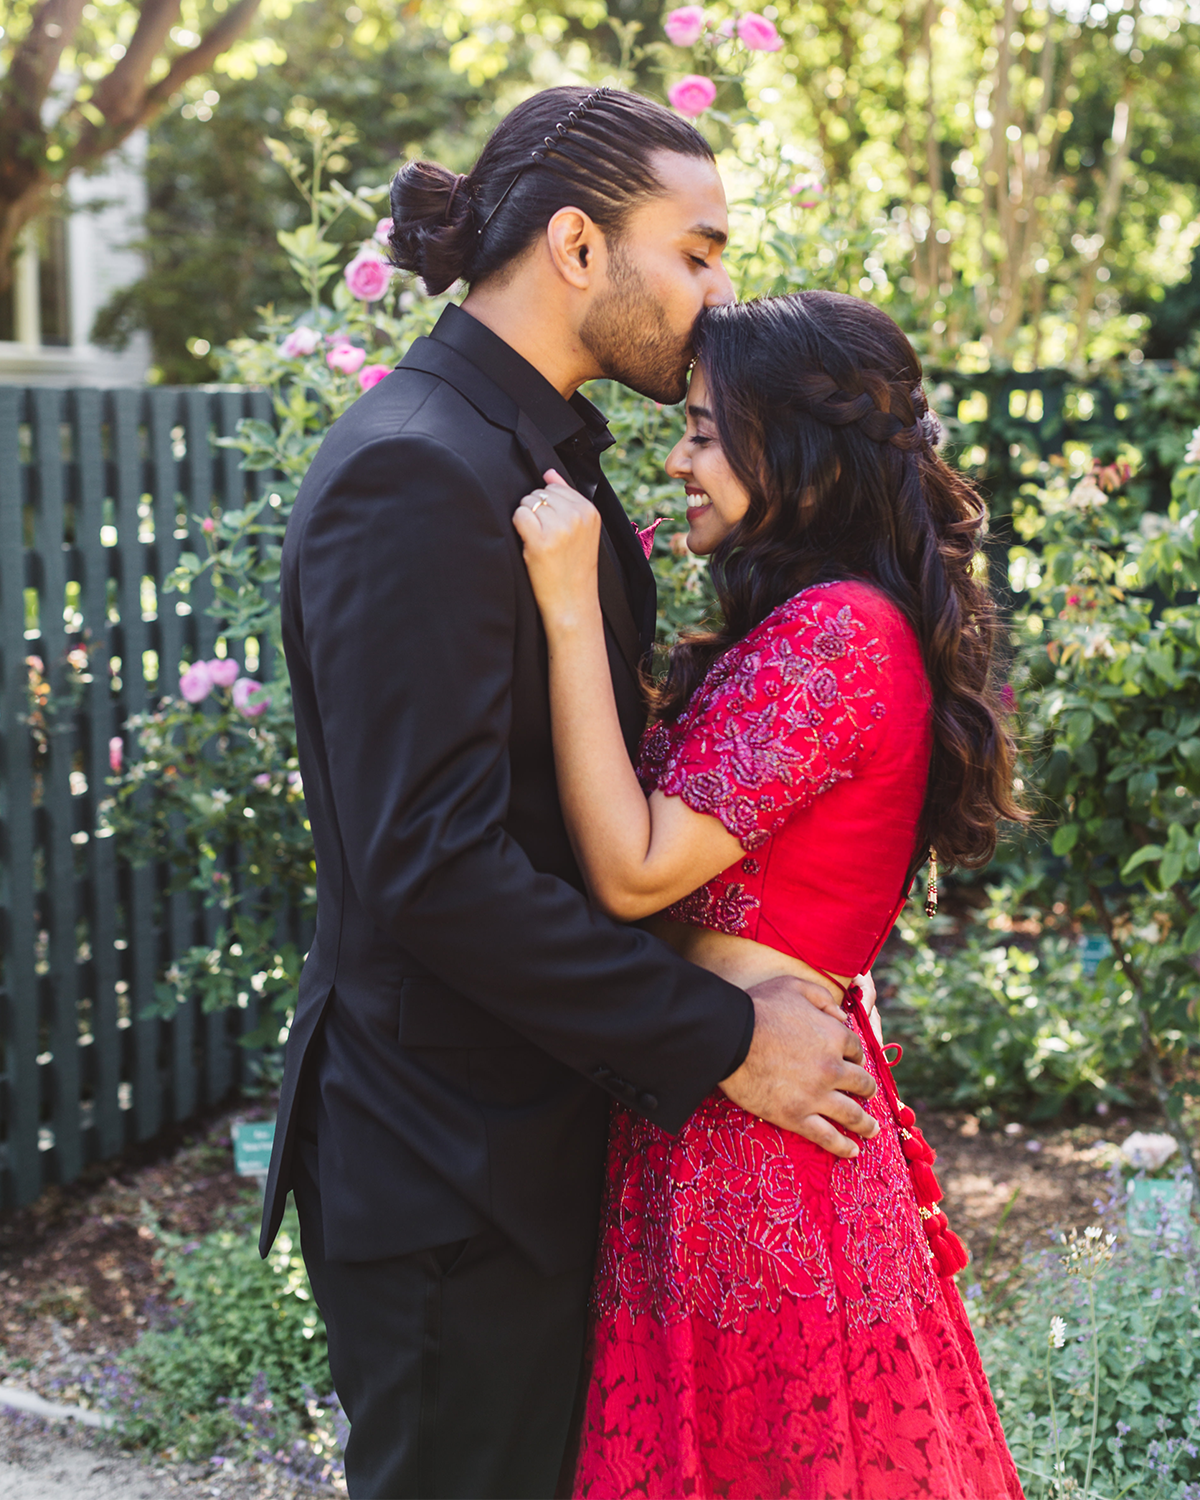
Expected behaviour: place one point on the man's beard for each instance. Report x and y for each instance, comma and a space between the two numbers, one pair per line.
627, 333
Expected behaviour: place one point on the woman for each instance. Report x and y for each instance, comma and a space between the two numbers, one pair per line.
773, 1318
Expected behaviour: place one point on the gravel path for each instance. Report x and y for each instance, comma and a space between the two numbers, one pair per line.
63, 1462
40, 1463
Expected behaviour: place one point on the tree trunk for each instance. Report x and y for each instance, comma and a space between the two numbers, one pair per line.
112, 109
1122, 139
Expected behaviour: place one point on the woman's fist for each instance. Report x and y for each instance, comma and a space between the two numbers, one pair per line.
560, 530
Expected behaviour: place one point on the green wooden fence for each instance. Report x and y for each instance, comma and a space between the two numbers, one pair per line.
95, 491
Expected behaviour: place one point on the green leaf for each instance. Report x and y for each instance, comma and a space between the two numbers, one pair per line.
1065, 838
1171, 869
1143, 856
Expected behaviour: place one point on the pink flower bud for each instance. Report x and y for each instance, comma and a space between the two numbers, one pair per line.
372, 375
367, 276
196, 683
692, 95
758, 34
223, 670
382, 230
347, 358
250, 698
116, 754
263, 779
300, 341
684, 27
208, 525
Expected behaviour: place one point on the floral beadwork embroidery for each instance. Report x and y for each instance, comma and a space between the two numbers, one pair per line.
723, 1219
784, 715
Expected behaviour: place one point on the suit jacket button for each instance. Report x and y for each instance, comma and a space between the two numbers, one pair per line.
648, 1103
600, 1073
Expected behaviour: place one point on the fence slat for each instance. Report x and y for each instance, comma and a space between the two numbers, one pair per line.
101, 724
21, 1179
134, 638
60, 996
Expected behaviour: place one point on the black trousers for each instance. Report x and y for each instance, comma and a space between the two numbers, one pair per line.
459, 1367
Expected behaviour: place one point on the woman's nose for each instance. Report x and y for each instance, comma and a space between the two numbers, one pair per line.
677, 466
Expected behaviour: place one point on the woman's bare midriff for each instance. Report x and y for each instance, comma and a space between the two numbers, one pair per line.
739, 960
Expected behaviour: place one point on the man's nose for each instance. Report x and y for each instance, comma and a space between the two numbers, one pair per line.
721, 291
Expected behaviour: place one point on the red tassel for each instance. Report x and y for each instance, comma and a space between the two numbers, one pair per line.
906, 1116
949, 1253
925, 1183
912, 1149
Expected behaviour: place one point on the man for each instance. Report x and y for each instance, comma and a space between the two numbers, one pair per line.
464, 1014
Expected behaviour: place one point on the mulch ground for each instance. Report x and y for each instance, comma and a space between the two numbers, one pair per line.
79, 1282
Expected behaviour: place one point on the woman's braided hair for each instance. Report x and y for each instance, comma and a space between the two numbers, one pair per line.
818, 403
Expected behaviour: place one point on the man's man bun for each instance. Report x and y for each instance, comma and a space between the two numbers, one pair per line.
433, 230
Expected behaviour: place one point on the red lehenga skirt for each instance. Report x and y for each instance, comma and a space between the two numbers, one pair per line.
769, 1321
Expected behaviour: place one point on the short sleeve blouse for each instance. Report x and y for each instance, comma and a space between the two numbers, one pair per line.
809, 740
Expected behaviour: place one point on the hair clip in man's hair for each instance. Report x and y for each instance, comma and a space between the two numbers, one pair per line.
538, 154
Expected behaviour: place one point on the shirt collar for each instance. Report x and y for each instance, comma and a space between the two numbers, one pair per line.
558, 420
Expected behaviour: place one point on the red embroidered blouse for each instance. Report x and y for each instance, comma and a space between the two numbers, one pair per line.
810, 740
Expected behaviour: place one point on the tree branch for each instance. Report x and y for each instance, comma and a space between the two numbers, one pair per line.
94, 140
35, 61
24, 90
206, 51
120, 94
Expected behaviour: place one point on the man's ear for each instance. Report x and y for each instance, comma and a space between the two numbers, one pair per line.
576, 246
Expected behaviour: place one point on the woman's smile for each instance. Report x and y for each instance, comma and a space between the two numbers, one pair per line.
716, 498
698, 503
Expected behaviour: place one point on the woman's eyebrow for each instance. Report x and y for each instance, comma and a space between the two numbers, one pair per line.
701, 413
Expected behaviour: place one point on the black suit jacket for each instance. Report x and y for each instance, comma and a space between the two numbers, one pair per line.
462, 999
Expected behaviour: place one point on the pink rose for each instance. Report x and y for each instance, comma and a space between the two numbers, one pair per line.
250, 697
758, 34
685, 26
692, 95
382, 231
300, 341
372, 375
116, 754
208, 525
367, 277
196, 683
263, 779
347, 358
223, 670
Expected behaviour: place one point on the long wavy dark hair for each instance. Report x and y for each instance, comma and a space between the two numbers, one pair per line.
818, 404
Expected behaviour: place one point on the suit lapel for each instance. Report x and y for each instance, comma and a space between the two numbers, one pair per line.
434, 358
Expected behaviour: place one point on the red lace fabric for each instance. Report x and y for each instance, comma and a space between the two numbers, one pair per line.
809, 740
768, 1319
